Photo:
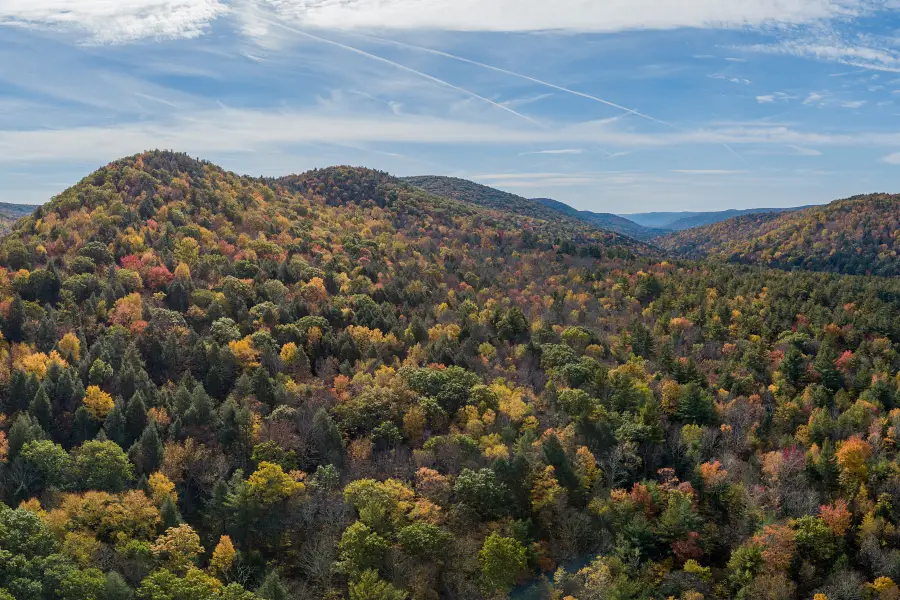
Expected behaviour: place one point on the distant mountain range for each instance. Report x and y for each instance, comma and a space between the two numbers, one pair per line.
542, 208
679, 221
856, 236
640, 226
609, 221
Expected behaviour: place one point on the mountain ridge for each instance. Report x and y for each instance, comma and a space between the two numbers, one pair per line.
546, 208
852, 236
679, 221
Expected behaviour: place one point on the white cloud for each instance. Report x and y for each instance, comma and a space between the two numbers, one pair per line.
561, 151
875, 54
775, 97
569, 15
116, 21
892, 159
706, 171
801, 151
813, 98
854, 104
212, 133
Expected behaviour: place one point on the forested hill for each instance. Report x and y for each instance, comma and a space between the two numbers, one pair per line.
336, 385
543, 208
679, 221
853, 236
606, 221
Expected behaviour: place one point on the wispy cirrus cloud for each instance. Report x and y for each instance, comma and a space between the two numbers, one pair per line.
116, 21
121, 21
873, 53
568, 15
561, 151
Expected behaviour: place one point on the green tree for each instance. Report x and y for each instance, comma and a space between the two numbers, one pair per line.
824, 365
503, 561
792, 367
116, 588
101, 466
423, 540
273, 588
82, 584
361, 548
482, 492
369, 586
50, 460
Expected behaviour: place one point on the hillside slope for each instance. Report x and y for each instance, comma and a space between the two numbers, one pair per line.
853, 236
543, 208
336, 385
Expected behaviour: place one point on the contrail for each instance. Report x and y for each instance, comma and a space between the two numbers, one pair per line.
541, 82
519, 75
399, 66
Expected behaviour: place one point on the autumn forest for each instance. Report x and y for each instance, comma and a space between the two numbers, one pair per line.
341, 385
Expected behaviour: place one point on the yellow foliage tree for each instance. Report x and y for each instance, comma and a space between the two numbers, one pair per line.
545, 490
70, 346
270, 484
852, 457
182, 272
177, 548
244, 352
161, 487
38, 362
187, 250
98, 402
222, 557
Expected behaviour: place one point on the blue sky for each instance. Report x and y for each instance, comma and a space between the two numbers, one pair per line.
619, 106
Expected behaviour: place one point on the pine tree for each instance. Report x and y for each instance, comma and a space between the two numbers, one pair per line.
825, 366
135, 418
14, 325
114, 425
273, 588
116, 588
792, 367
326, 439
25, 429
147, 452
41, 410
84, 428
169, 513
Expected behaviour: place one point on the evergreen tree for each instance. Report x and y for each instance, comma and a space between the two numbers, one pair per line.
147, 452
114, 425
135, 418
84, 428
326, 439
169, 513
14, 324
273, 588
824, 364
41, 410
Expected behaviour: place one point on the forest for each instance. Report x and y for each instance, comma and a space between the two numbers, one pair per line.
856, 236
337, 385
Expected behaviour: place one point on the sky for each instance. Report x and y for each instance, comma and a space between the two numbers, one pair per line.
616, 106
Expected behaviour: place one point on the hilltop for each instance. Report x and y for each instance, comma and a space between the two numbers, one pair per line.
852, 236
